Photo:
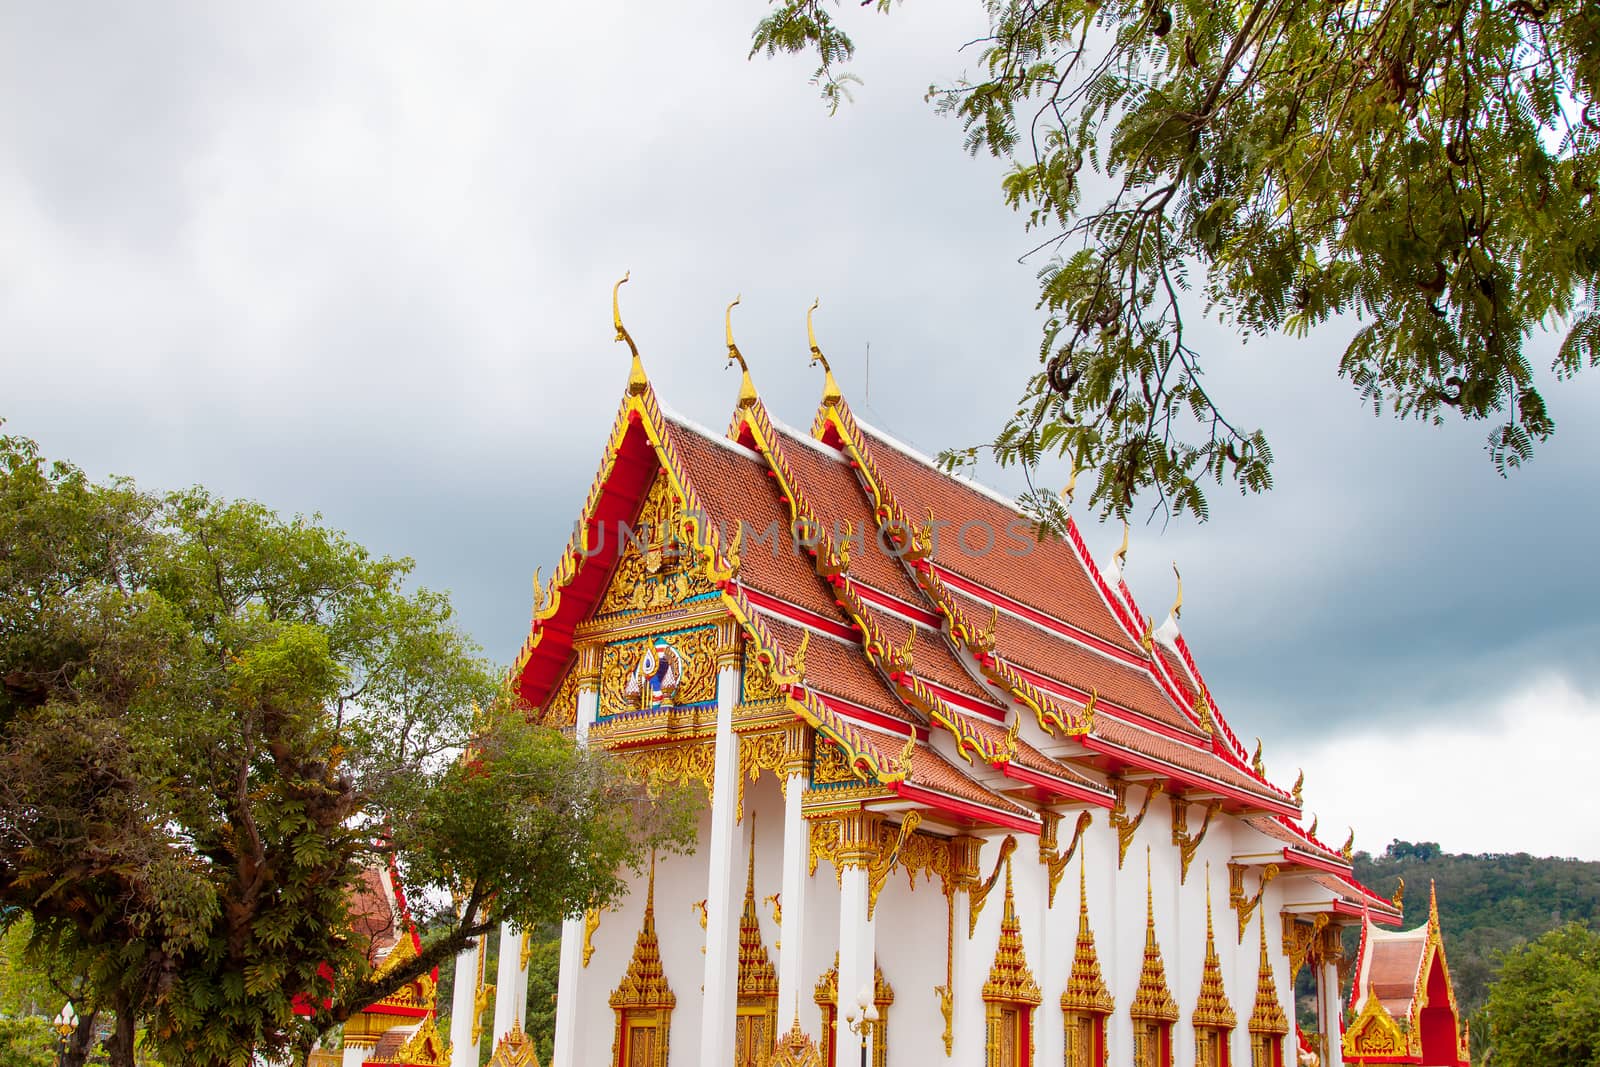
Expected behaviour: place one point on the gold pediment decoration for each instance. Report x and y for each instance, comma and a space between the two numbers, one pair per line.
1152, 1000
758, 978
1086, 987
424, 1048
1010, 980
1267, 1016
656, 568
1212, 1010
1375, 1032
514, 1050
796, 1049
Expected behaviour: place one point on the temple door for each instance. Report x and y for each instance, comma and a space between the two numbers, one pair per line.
641, 1046
749, 1037
1010, 1027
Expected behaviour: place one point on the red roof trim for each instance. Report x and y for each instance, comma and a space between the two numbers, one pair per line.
1055, 785
1116, 711
1183, 774
965, 808
799, 616
1306, 859
963, 701
876, 719
894, 604
1344, 907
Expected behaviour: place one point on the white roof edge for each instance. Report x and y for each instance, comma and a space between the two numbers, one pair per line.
700, 431
805, 439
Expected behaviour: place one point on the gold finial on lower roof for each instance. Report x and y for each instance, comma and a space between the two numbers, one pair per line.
1177, 605
1121, 555
636, 379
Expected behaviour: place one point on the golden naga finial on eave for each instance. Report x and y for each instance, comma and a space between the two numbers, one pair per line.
747, 389
1121, 555
636, 379
1177, 605
830, 387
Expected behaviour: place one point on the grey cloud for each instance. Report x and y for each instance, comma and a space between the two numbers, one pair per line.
358, 260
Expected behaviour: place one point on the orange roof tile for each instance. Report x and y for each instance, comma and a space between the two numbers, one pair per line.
835, 494
1050, 577
1026, 645
933, 772
839, 670
1202, 762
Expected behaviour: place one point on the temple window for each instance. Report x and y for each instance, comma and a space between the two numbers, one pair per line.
1268, 1023
1213, 1015
1154, 1012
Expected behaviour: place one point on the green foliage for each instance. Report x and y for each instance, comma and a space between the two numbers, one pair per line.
212, 719
1428, 168
27, 1042
1544, 1011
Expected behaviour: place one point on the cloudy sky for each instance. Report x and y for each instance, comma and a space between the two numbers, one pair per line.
356, 259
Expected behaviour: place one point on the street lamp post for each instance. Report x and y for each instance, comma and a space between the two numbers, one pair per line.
65, 1022
861, 1019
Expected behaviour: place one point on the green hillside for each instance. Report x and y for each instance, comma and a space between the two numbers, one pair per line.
1487, 903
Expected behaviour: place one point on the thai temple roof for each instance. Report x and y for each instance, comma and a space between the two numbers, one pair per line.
917, 664
1404, 1004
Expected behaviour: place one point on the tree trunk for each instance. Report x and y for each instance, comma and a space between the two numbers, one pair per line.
80, 1043
119, 1046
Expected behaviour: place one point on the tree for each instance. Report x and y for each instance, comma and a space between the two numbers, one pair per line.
27, 1042
1429, 168
1544, 1010
212, 719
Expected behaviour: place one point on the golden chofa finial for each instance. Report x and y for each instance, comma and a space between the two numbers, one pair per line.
830, 387
1121, 555
747, 389
636, 379
1177, 605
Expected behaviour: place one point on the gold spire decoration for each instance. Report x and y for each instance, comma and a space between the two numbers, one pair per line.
1177, 605
1213, 1009
757, 976
1086, 988
1121, 555
1152, 1000
1009, 977
514, 1050
830, 388
1267, 1016
796, 1049
747, 389
644, 985
636, 379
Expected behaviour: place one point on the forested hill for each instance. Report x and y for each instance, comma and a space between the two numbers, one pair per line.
1487, 903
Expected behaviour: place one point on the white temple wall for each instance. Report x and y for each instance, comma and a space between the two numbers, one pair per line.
911, 951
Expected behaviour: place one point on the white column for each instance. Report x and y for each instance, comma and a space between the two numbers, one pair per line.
722, 943
568, 1048
1328, 1010
792, 934
464, 1050
511, 984
855, 956
970, 967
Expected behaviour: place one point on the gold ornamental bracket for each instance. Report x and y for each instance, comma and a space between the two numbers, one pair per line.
1244, 904
1189, 843
1299, 939
591, 923
878, 870
1127, 827
978, 894
1055, 860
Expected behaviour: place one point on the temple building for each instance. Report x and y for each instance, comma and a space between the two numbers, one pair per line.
1402, 1004
965, 801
